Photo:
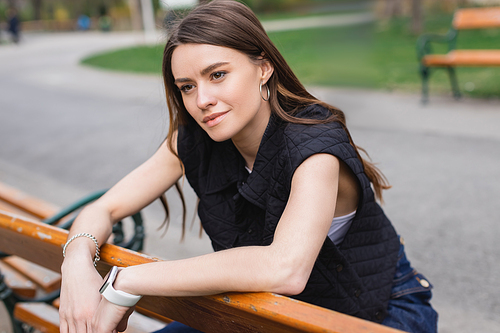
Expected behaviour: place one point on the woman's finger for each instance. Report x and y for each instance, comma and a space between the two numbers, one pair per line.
122, 326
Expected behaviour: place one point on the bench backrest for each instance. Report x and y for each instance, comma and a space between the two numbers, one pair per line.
242, 312
15, 201
477, 18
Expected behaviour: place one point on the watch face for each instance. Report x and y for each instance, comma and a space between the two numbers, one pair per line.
110, 278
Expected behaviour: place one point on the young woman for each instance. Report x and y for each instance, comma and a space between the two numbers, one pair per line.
285, 196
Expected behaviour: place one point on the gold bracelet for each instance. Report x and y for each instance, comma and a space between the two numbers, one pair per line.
84, 234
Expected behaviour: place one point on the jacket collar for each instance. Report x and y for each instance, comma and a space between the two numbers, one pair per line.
227, 166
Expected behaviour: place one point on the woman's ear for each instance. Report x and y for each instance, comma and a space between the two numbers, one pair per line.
267, 70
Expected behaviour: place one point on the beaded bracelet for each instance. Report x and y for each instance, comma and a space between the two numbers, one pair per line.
84, 234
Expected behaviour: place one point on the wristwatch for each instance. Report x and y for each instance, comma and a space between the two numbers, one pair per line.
114, 296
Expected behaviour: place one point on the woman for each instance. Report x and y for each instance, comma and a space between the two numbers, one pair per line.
284, 194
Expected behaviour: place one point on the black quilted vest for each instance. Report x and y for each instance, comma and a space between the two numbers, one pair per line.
238, 209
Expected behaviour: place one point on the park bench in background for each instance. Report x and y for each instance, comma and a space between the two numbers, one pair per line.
41, 243
469, 18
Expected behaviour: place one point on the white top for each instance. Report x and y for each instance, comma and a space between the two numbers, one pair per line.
340, 225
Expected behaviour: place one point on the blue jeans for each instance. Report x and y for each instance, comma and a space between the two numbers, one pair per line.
409, 308
176, 327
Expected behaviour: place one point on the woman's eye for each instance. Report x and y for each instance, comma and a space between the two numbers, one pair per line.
218, 75
186, 88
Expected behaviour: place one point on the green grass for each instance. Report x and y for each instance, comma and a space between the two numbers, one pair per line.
380, 55
329, 56
140, 59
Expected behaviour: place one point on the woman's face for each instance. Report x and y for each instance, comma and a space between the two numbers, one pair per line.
220, 90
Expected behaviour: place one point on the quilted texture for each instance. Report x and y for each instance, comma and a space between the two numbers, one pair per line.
238, 209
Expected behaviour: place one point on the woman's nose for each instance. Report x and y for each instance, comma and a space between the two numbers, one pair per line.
205, 98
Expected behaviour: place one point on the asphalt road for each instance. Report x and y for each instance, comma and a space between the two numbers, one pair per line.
67, 130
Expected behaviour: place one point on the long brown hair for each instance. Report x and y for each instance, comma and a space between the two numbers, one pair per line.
231, 24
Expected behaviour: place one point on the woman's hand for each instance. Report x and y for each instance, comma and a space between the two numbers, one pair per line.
110, 317
80, 295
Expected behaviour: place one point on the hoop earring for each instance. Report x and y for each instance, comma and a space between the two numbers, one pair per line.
268, 92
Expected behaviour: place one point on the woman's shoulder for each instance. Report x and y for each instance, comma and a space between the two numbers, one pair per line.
303, 140
297, 133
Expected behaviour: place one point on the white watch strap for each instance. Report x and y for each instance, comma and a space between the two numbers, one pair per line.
119, 297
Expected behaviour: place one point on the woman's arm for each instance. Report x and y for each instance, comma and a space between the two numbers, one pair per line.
80, 283
282, 267
137, 190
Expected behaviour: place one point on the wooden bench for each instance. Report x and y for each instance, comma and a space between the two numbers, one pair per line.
35, 285
40, 243
463, 19
231, 312
27, 279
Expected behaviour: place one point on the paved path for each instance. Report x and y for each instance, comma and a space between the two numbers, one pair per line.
67, 130
334, 20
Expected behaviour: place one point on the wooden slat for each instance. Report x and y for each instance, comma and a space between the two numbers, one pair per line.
154, 315
477, 18
45, 278
15, 210
259, 312
36, 207
32, 240
56, 303
464, 58
17, 282
231, 312
41, 316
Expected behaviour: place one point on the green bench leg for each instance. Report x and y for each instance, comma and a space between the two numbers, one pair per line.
454, 83
424, 73
8, 299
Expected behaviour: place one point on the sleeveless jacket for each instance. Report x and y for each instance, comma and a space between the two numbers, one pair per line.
241, 209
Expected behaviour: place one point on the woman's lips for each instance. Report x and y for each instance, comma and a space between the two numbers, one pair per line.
214, 118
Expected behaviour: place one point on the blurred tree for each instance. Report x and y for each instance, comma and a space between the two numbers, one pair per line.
12, 4
37, 9
148, 19
393, 8
411, 8
135, 14
417, 17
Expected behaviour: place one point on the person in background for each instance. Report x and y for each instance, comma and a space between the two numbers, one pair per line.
285, 196
14, 25
104, 21
83, 22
